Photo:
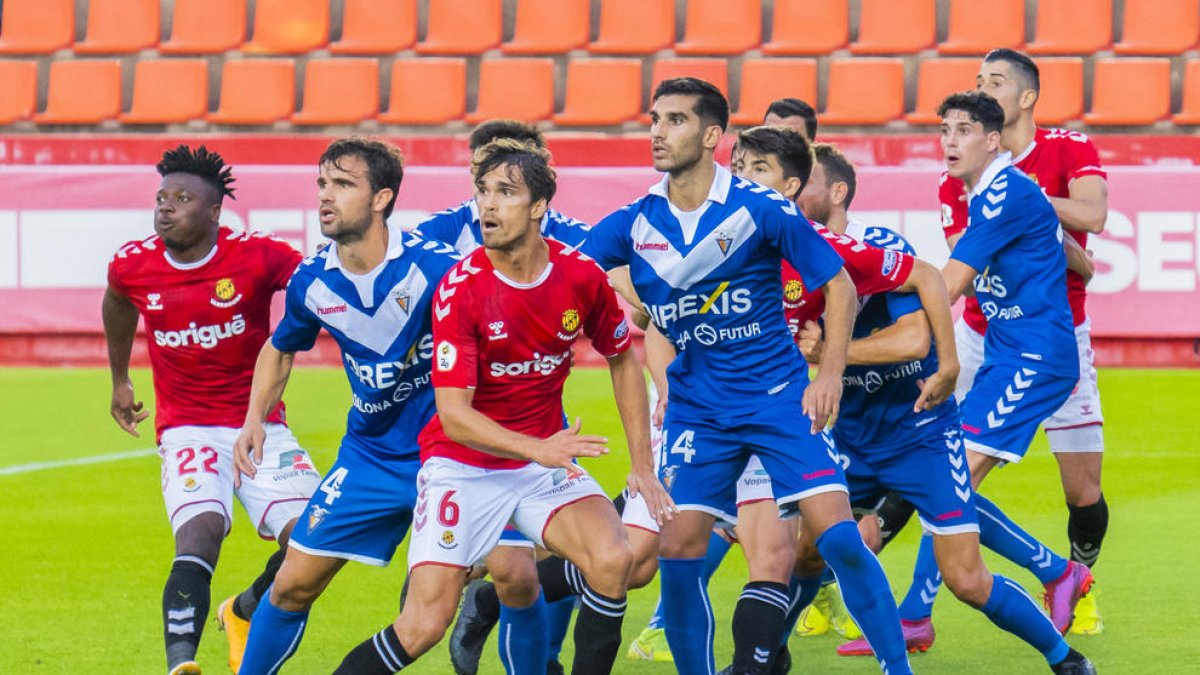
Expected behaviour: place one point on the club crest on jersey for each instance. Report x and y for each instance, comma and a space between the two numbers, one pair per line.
448, 541
724, 241
315, 516
447, 356
570, 320
190, 485
402, 299
154, 301
793, 290
226, 294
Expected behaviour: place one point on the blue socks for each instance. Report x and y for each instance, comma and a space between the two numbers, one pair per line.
687, 615
1011, 608
522, 638
867, 595
274, 636
801, 591
558, 620
927, 579
717, 548
1007, 538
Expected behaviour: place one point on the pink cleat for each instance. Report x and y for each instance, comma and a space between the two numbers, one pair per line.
918, 637
1064, 593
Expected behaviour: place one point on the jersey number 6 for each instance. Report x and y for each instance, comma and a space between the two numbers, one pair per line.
448, 510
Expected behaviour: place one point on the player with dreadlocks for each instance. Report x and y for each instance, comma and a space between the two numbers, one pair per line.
204, 293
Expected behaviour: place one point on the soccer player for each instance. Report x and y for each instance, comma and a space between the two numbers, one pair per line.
506, 319
1066, 165
372, 290
204, 293
793, 113
460, 227
705, 253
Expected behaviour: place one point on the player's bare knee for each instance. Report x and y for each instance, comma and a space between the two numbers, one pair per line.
517, 586
771, 564
421, 625
294, 590
643, 572
971, 585
809, 562
607, 569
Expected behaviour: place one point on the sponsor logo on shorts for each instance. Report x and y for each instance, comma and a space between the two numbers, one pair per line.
295, 459
890, 259
559, 475
621, 330
316, 515
226, 294
447, 541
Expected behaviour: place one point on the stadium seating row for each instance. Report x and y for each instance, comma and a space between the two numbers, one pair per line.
626, 27
598, 92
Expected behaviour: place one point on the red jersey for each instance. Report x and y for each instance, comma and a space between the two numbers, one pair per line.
512, 343
873, 270
205, 322
1054, 159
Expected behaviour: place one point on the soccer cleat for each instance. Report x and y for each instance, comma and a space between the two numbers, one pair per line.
1064, 593
781, 664
1074, 664
554, 668
918, 637
236, 630
186, 668
839, 616
650, 645
814, 620
1087, 616
470, 633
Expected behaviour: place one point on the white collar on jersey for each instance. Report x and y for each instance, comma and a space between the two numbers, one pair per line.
394, 249
717, 192
474, 209
1000, 163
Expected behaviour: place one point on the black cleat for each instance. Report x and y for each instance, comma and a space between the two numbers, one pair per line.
1074, 664
470, 633
554, 668
782, 665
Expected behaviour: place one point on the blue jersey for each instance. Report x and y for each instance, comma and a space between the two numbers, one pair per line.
459, 227
711, 282
877, 400
382, 324
1014, 241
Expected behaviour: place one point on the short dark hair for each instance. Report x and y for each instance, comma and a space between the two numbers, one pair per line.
532, 160
208, 166
979, 106
385, 164
794, 107
711, 106
837, 168
1025, 67
493, 129
789, 146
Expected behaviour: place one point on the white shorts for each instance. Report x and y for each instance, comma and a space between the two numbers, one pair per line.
1078, 425
197, 477
462, 510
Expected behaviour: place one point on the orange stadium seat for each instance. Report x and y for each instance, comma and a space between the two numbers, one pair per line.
765, 80
602, 92
82, 92
427, 91
289, 26
36, 26
18, 90
1061, 97
721, 27
864, 91
978, 26
520, 89
635, 27
377, 27
256, 91
1130, 91
119, 27
550, 27
339, 91
715, 71
206, 27
937, 79
1190, 112
896, 27
1159, 27
1072, 27
808, 27
185, 79
462, 27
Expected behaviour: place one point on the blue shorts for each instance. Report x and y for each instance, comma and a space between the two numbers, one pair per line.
1007, 404
362, 509
703, 458
932, 473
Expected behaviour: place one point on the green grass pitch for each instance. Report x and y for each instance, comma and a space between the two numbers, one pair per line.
84, 549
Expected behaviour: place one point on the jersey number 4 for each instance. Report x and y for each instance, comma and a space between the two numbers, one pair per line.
187, 460
332, 485
683, 445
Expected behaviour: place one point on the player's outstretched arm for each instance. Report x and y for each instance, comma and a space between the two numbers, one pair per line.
120, 323
271, 373
659, 354
935, 300
1086, 210
629, 389
1078, 259
466, 425
823, 396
